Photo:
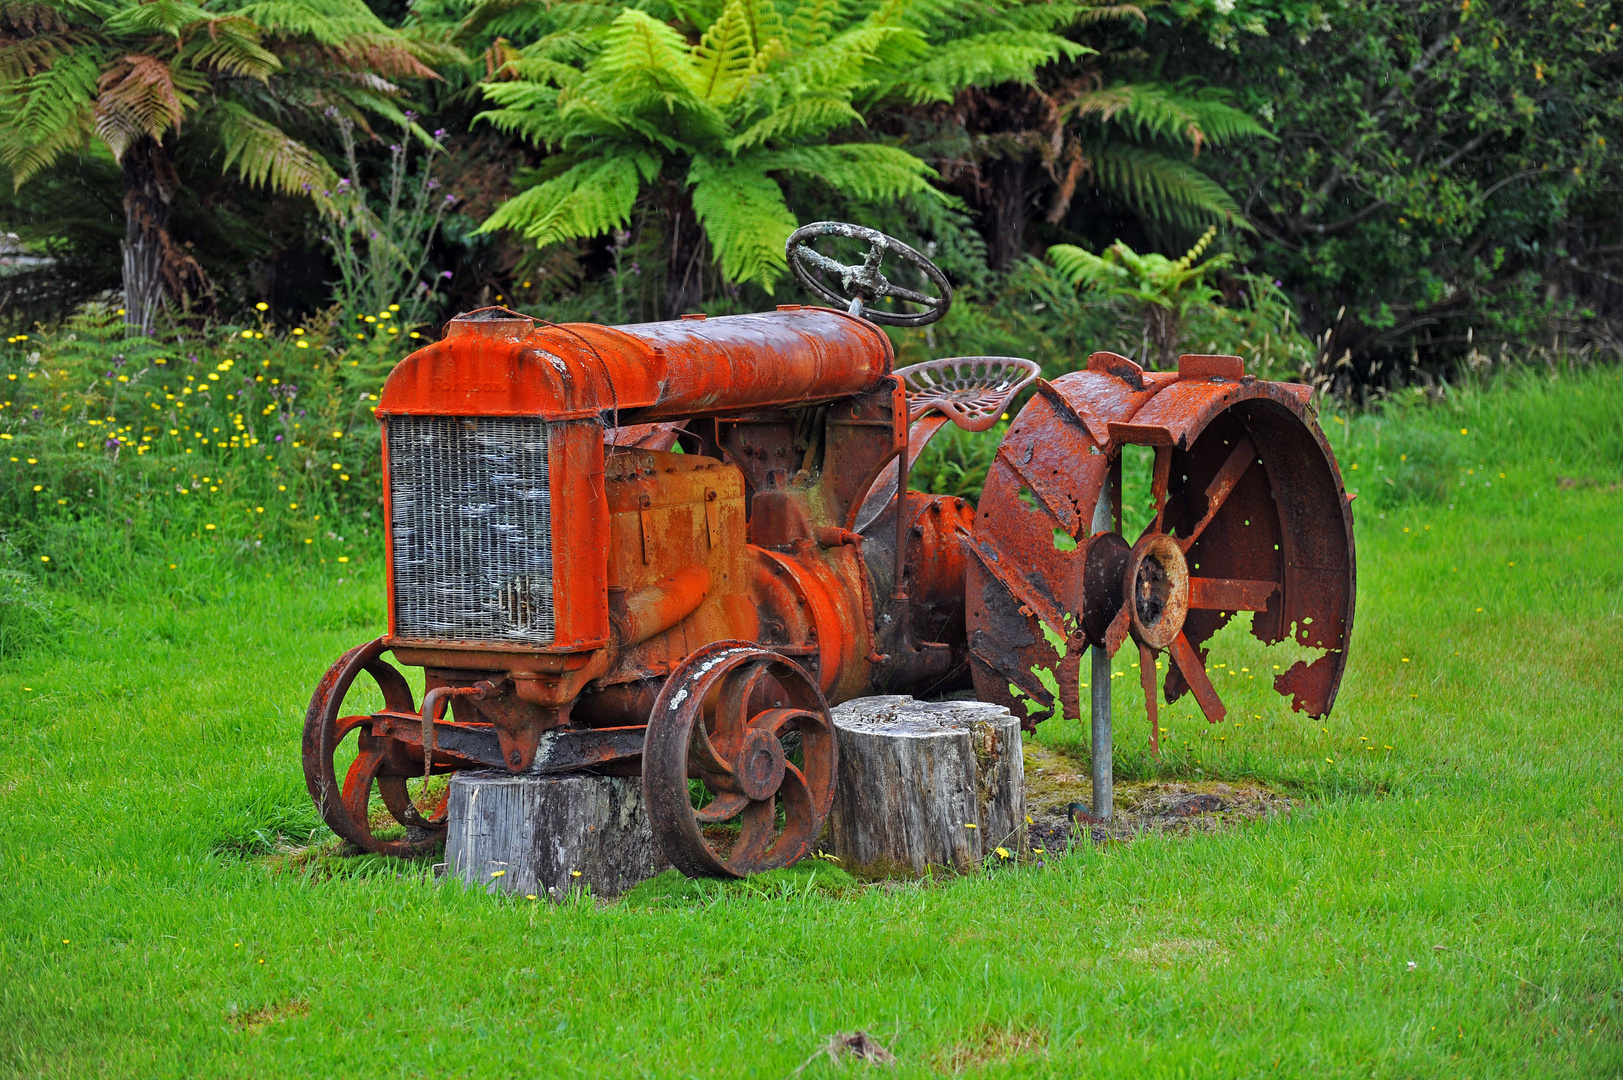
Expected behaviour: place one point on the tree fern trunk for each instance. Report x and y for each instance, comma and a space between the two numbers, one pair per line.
150, 185
1010, 206
686, 251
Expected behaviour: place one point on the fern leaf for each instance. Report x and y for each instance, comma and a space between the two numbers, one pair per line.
60, 96
985, 60
812, 23
1163, 186
139, 96
22, 58
266, 156
745, 217
231, 46
1182, 113
167, 17
724, 58
866, 171
27, 158
805, 119
591, 198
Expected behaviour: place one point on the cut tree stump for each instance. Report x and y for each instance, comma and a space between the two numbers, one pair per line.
926, 784
550, 835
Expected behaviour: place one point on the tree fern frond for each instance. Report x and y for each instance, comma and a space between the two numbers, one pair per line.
326, 22
812, 23
139, 96
766, 26
534, 70
984, 60
1182, 113
231, 46
1163, 186
745, 217
805, 119
593, 197
636, 42
1109, 12
24, 57
266, 156
1082, 268
867, 171
724, 58
60, 96
26, 158
168, 17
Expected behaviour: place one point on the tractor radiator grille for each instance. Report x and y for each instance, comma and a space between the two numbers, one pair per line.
471, 519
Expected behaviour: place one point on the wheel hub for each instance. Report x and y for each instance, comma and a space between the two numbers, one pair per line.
1157, 590
760, 764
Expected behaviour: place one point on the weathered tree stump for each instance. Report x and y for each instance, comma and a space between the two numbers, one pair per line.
550, 835
926, 784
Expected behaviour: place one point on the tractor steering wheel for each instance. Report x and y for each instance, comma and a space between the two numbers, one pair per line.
861, 285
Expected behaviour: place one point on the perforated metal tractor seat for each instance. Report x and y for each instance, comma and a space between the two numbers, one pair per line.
971, 391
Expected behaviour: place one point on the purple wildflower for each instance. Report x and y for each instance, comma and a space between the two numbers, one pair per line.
278, 438
439, 133
446, 274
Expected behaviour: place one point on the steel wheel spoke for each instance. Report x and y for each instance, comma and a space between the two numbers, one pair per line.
1146, 678
1230, 594
398, 799
1222, 486
1194, 673
799, 820
722, 808
704, 753
776, 720
733, 703
760, 825
358, 787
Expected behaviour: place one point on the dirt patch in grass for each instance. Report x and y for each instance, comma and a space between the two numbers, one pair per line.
263, 1017
1057, 785
991, 1044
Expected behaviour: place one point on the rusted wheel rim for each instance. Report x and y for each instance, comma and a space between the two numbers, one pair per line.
378, 763
729, 718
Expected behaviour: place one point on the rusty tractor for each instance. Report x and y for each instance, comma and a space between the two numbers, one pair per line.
664, 549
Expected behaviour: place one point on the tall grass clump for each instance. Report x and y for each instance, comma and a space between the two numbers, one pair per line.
230, 443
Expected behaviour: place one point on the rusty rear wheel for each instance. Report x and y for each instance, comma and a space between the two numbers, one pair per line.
732, 716
380, 764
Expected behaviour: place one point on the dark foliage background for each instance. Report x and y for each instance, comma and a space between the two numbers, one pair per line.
1439, 182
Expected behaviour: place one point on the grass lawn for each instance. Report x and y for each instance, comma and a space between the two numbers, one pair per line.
1447, 902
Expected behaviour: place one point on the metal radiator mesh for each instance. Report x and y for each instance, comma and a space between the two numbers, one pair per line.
470, 511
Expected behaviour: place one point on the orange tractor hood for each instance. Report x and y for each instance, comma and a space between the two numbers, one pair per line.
498, 363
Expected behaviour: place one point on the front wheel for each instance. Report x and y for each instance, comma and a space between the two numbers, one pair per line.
379, 763
733, 717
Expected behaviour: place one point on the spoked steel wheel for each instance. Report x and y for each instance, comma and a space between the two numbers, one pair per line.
1249, 515
379, 763
732, 716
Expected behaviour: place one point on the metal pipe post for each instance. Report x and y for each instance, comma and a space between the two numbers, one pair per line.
1104, 776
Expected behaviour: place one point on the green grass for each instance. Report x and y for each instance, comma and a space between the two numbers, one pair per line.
151, 757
